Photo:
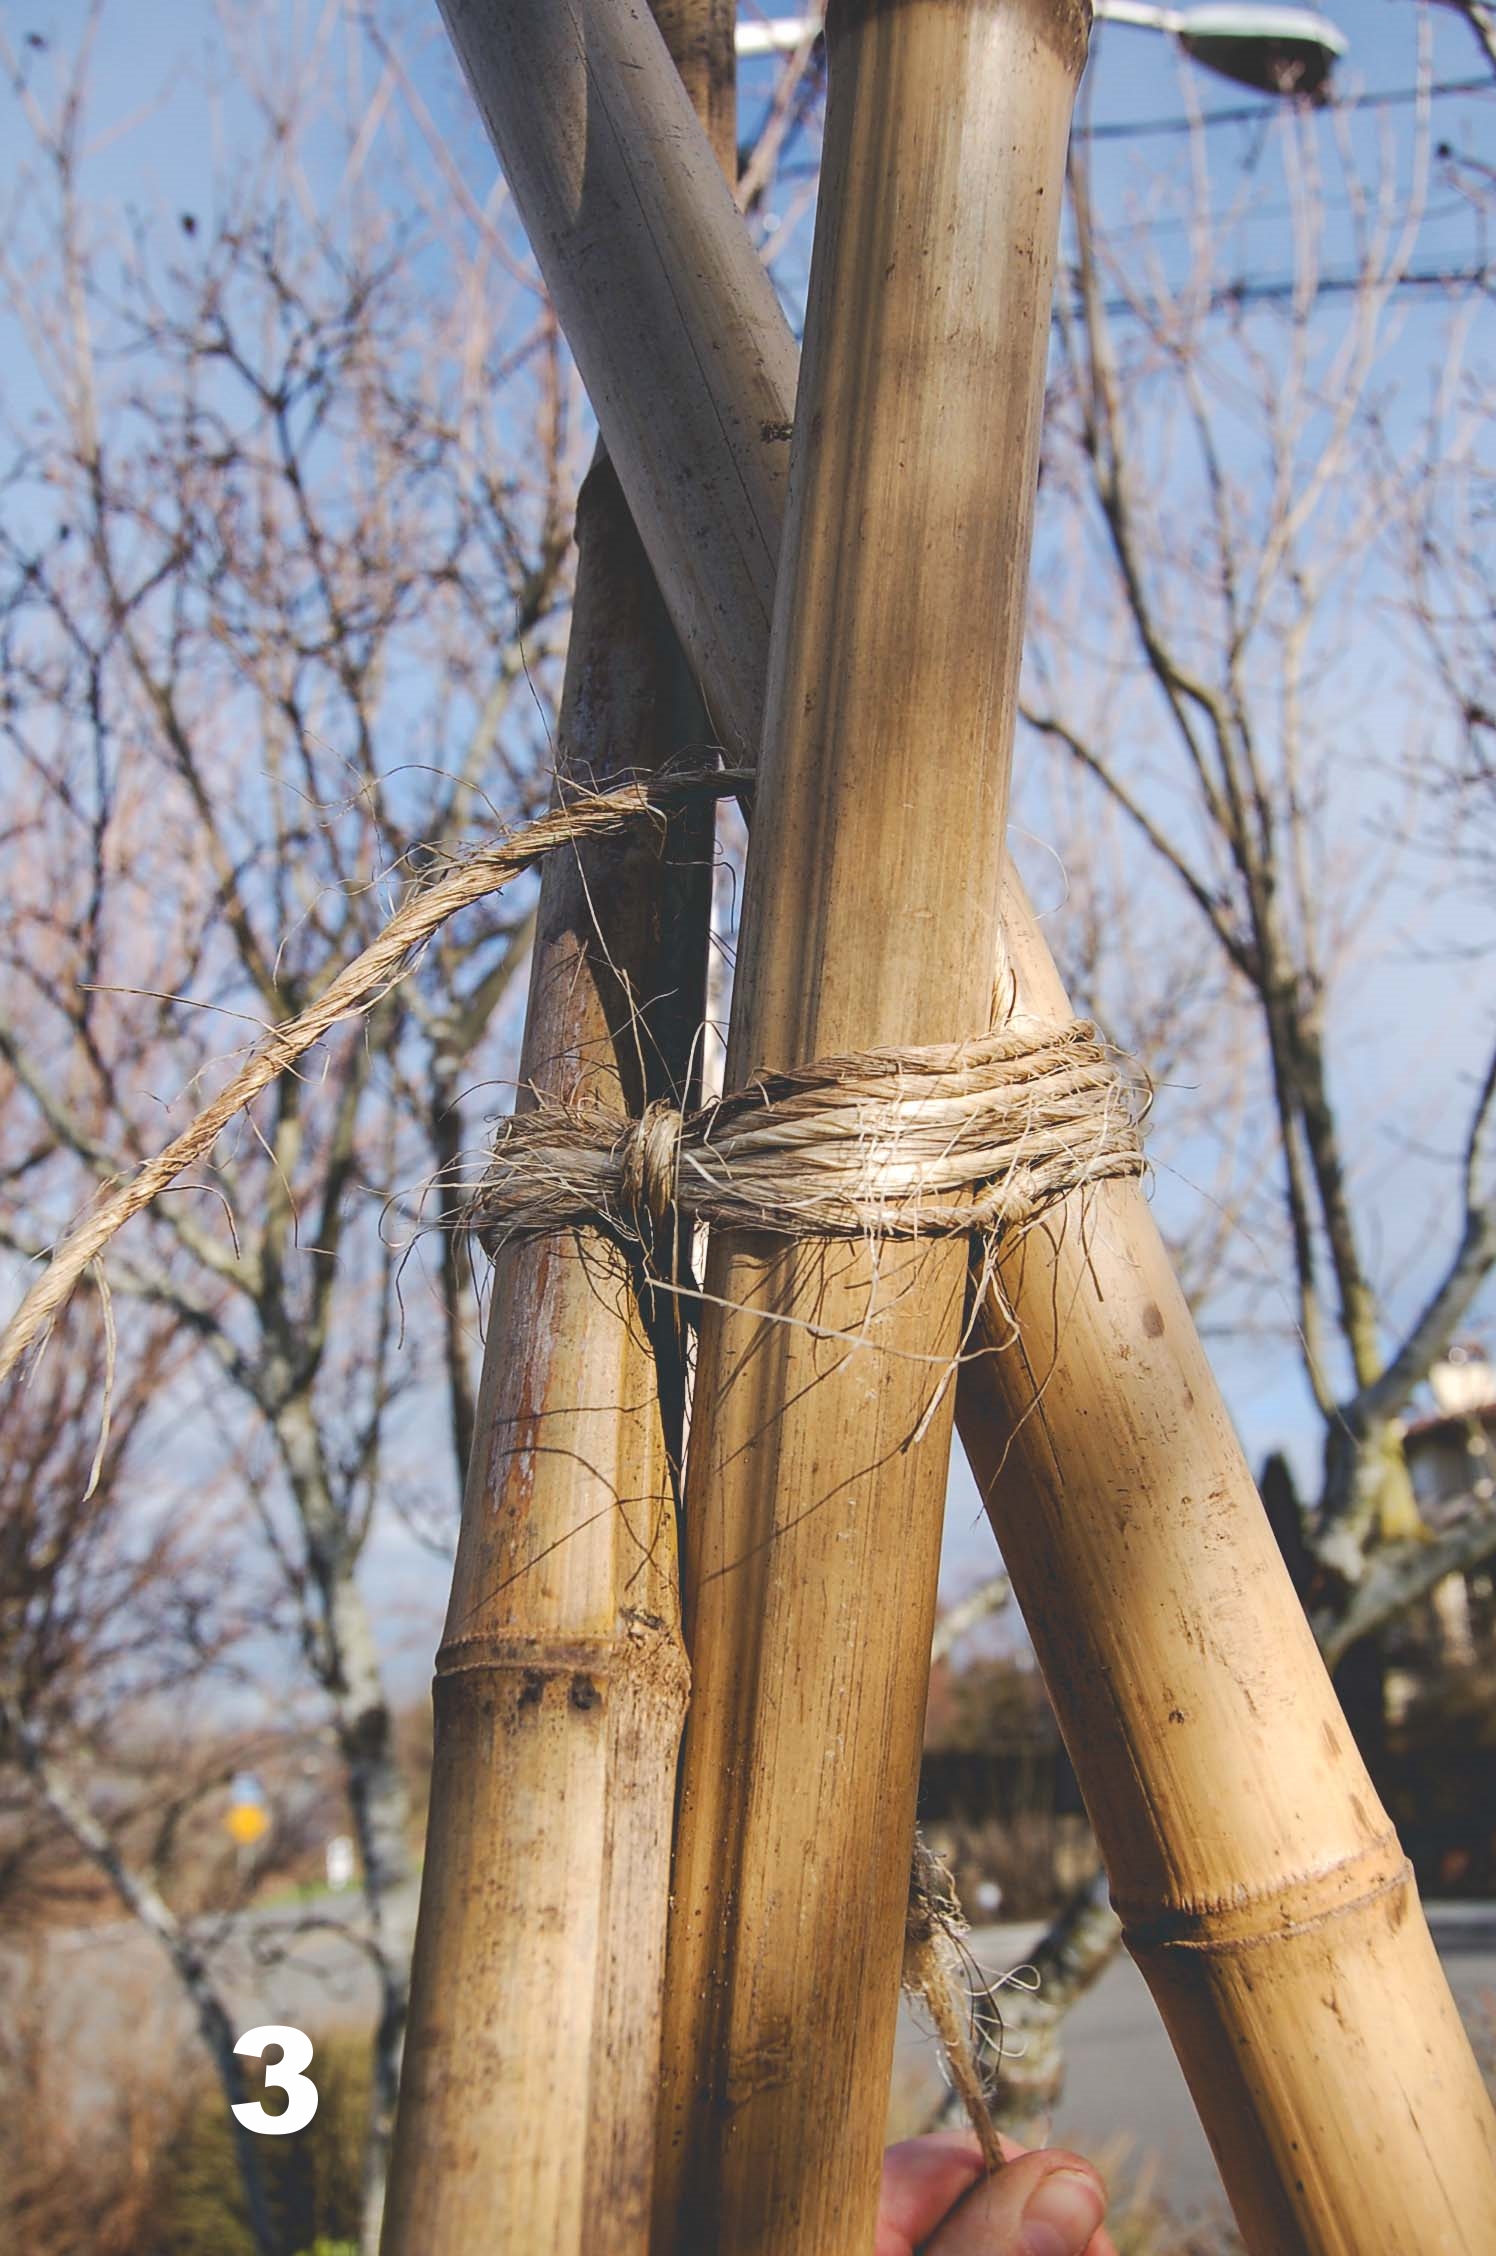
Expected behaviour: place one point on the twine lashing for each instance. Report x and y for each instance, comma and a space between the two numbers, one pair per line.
936, 1141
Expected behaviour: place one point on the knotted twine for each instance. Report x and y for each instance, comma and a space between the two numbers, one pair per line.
943, 1140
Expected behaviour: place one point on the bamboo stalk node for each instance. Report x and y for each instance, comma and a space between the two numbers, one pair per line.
649, 1654
933, 1141
1286, 1904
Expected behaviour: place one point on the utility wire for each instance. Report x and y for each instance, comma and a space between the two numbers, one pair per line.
1273, 290
1255, 113
1279, 290
1261, 215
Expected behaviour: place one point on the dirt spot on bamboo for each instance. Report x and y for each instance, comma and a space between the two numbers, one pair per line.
764, 2067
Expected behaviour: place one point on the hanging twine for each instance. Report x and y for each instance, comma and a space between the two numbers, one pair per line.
940, 1141
937, 1141
934, 1972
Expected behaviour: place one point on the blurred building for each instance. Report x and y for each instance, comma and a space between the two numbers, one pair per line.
1437, 1767
1451, 1456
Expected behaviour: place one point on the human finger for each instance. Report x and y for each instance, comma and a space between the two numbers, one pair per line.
938, 2200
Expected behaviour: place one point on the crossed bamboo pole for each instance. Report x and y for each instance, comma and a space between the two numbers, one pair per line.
1264, 1892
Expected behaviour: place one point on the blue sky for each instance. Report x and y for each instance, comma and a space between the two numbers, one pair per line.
168, 94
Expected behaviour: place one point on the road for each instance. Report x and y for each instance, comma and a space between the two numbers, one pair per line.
1122, 2078
108, 1987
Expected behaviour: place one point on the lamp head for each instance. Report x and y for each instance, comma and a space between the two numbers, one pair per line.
1289, 51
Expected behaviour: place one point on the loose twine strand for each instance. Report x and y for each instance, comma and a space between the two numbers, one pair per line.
934, 1971
388, 959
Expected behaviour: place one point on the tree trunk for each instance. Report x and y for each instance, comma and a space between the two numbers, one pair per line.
145, 1903
345, 1657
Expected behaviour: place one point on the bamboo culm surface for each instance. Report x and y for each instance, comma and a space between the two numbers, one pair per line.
526, 2106
816, 1478
1114, 1481
527, 2114
531, 2069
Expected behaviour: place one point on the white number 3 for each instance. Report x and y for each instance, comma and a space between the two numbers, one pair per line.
284, 2075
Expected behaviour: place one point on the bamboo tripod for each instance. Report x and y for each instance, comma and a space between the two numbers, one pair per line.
1264, 1893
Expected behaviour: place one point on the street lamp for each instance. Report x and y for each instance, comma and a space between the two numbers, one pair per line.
1277, 50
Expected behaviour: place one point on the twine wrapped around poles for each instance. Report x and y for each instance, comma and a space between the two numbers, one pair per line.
936, 1141
939, 1141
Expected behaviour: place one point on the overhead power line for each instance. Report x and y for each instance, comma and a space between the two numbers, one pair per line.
1252, 113
1245, 113
1279, 290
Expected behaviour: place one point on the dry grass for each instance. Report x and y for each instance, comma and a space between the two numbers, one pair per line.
119, 2143
78, 2164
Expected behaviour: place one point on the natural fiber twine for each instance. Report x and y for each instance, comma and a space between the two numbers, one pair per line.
938, 1141
388, 959
934, 1971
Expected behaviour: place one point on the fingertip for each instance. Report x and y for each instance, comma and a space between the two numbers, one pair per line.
923, 2180
1064, 2212
1049, 2203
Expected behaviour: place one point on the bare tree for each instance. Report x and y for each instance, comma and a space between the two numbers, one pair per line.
283, 581
1481, 20
1438, 497
96, 1617
1214, 493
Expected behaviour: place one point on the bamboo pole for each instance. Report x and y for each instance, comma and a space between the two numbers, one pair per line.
528, 2081
699, 408
1262, 1888
815, 1488
527, 2108
646, 260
